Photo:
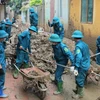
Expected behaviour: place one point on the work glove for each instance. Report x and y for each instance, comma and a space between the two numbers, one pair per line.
72, 69
20, 47
16, 26
31, 54
75, 72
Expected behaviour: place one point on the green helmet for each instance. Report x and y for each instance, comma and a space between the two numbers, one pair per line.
32, 28
55, 20
77, 34
3, 34
8, 23
54, 38
31, 10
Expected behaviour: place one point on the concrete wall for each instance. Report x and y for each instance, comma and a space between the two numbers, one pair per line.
2, 16
41, 15
91, 30
47, 14
62, 12
25, 16
52, 9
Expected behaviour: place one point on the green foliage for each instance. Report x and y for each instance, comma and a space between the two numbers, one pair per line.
35, 2
24, 8
16, 5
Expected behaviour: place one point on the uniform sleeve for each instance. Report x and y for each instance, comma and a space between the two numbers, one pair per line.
20, 37
78, 57
31, 18
69, 54
50, 24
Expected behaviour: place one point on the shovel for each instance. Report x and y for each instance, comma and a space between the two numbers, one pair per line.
47, 60
95, 55
56, 63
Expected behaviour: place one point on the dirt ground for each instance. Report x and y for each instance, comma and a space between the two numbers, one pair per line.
91, 90
15, 91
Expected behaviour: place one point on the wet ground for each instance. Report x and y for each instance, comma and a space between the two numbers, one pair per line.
16, 92
91, 90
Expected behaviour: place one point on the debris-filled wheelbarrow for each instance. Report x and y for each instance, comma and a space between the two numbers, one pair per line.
35, 79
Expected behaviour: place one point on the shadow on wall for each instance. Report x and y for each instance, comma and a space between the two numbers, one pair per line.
70, 30
91, 41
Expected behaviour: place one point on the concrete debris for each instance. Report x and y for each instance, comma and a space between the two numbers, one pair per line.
41, 47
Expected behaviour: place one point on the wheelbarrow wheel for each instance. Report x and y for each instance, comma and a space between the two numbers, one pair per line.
42, 94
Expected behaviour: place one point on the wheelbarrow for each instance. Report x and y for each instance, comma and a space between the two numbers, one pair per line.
35, 79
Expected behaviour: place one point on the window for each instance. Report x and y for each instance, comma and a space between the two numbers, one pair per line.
86, 11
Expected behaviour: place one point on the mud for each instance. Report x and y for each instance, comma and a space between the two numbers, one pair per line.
91, 90
42, 50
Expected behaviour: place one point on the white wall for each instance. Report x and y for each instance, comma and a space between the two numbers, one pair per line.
25, 16
64, 17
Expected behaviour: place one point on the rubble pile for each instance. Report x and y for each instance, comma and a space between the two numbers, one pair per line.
32, 73
11, 44
42, 51
42, 54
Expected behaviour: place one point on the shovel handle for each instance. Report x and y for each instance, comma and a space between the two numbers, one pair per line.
25, 51
95, 55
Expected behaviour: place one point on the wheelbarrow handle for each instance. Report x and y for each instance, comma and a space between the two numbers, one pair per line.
20, 71
17, 68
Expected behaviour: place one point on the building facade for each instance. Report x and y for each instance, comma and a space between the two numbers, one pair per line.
85, 16
62, 11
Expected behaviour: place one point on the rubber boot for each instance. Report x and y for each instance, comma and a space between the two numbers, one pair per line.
60, 88
79, 94
26, 65
2, 95
16, 74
